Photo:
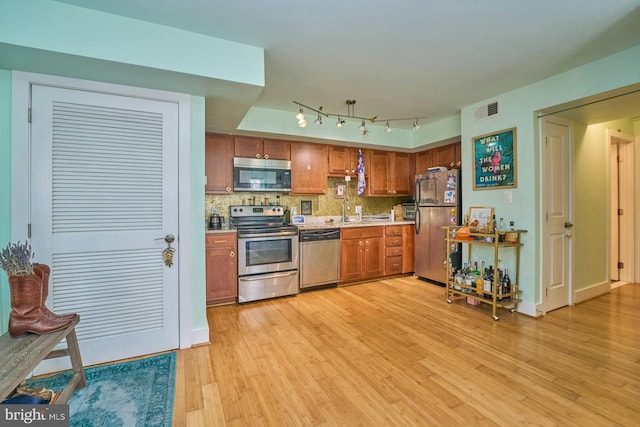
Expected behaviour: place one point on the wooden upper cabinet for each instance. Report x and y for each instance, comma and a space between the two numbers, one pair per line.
402, 174
444, 156
258, 148
379, 173
308, 168
390, 173
424, 160
458, 154
449, 156
218, 163
343, 161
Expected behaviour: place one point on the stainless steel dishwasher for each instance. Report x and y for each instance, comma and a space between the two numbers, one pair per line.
319, 257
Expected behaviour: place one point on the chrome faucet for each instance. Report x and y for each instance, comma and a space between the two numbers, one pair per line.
345, 202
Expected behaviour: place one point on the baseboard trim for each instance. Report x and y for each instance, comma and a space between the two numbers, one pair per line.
199, 337
590, 292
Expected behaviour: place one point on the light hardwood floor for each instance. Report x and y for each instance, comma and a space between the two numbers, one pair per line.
394, 353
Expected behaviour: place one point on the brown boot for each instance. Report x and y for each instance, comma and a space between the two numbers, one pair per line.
43, 271
26, 308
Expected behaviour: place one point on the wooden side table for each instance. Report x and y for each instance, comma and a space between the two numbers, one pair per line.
19, 356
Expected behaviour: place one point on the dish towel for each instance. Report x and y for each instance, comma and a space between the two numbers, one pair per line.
361, 182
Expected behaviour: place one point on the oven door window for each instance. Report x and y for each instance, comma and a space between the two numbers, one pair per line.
263, 252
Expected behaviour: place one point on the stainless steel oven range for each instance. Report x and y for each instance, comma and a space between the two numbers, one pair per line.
267, 252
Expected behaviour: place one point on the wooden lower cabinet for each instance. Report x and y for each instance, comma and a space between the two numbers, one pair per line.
222, 268
408, 236
393, 249
362, 253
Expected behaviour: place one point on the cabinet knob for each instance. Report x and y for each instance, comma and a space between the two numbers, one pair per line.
232, 254
228, 189
266, 156
257, 155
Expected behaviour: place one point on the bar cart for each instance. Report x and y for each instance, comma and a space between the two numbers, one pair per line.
468, 284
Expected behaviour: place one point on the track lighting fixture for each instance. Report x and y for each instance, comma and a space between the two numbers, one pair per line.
350, 115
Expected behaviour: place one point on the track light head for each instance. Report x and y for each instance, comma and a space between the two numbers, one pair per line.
415, 125
387, 128
300, 115
318, 121
340, 122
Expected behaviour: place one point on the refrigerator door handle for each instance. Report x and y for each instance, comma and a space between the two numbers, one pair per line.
416, 197
416, 223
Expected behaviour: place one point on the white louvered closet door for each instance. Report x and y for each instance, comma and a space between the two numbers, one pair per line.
104, 193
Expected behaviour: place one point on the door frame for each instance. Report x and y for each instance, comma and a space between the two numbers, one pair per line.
541, 307
20, 173
628, 223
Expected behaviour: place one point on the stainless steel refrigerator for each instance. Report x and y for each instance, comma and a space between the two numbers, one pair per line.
438, 204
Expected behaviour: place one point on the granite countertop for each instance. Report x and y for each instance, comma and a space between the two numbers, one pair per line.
319, 223
224, 229
349, 224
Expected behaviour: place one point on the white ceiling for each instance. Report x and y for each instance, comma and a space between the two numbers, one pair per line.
403, 58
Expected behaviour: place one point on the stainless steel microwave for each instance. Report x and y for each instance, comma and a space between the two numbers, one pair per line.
261, 174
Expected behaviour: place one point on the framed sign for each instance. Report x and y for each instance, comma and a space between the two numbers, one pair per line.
340, 190
494, 160
306, 207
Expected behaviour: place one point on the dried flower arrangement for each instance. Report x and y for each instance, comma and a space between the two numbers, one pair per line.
16, 259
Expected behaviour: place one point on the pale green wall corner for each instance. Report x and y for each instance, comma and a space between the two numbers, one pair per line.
88, 33
518, 109
5, 189
590, 184
279, 122
197, 262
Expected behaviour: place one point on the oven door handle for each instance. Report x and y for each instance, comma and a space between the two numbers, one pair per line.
271, 276
274, 235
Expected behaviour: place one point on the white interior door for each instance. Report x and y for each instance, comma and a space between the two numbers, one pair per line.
622, 212
103, 194
556, 195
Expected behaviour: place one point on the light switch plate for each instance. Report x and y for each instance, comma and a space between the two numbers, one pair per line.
508, 197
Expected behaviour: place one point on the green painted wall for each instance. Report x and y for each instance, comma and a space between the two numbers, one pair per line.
519, 109
87, 33
279, 122
5, 189
590, 184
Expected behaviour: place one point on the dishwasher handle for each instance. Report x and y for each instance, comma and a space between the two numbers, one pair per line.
312, 236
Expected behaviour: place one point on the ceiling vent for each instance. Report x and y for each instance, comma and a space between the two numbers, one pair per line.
487, 110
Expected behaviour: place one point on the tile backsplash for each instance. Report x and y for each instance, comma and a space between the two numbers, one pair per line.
321, 205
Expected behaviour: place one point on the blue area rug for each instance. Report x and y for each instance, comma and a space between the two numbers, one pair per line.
135, 393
